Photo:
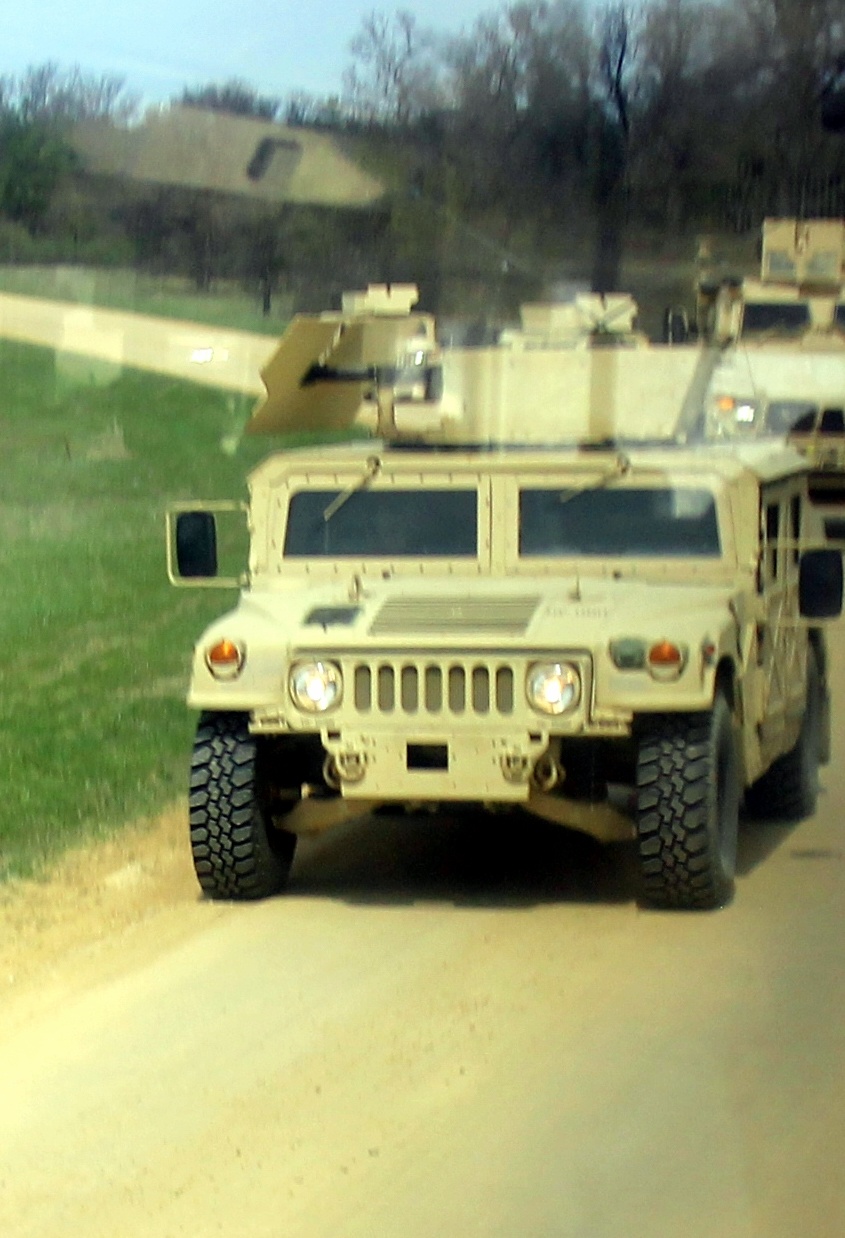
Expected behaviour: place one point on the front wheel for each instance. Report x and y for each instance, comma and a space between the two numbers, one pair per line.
688, 792
238, 852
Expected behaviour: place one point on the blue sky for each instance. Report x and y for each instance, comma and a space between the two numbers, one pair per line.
159, 46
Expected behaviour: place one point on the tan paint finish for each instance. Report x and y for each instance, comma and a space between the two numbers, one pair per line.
572, 610
564, 395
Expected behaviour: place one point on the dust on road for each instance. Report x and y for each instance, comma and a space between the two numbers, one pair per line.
81, 920
428, 1035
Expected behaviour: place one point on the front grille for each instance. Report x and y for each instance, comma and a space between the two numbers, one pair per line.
451, 688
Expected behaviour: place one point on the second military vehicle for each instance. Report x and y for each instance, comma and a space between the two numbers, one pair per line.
782, 334
781, 370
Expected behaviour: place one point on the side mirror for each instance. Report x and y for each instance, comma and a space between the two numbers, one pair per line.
207, 545
833, 106
196, 544
820, 584
834, 528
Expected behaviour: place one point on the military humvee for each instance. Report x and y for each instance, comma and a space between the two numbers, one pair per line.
623, 638
781, 366
783, 333
799, 292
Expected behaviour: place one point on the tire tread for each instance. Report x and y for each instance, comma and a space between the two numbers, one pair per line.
680, 861
236, 854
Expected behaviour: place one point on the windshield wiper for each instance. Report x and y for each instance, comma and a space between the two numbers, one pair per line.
371, 472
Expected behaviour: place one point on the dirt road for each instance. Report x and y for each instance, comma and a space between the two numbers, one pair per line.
430, 1035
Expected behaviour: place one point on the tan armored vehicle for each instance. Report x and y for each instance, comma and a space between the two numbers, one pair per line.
782, 371
622, 638
783, 337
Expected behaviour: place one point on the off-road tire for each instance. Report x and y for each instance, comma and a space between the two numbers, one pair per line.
688, 792
238, 853
789, 789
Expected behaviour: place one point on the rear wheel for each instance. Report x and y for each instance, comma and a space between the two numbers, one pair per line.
688, 792
789, 789
238, 852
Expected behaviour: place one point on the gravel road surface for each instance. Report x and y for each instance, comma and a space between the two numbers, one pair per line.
447, 1027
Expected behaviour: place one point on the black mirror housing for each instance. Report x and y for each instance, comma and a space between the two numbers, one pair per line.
196, 544
821, 584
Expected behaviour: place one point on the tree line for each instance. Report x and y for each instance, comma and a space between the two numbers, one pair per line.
665, 114
546, 127
36, 112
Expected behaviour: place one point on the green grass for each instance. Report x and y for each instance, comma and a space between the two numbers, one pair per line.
164, 296
95, 642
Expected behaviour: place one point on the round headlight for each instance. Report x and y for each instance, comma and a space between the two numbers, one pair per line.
735, 413
316, 686
553, 687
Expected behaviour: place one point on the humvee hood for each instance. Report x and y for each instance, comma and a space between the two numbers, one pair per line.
538, 611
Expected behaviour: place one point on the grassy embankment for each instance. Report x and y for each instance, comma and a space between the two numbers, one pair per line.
96, 643
162, 296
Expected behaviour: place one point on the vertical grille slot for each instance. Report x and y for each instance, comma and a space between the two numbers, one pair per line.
480, 690
409, 689
363, 680
457, 689
386, 688
433, 689
504, 690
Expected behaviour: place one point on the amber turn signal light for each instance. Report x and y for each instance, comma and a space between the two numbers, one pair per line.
225, 659
666, 660
664, 653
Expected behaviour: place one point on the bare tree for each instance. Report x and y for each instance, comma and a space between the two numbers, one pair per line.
561, 82
205, 223
686, 105
303, 109
791, 48
617, 60
394, 77
511, 82
265, 257
47, 93
617, 50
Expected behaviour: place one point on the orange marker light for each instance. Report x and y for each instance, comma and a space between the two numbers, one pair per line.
225, 659
664, 653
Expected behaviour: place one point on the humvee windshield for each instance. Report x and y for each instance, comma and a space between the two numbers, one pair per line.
775, 316
625, 522
383, 524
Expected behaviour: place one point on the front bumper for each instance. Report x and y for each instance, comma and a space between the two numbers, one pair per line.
433, 767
